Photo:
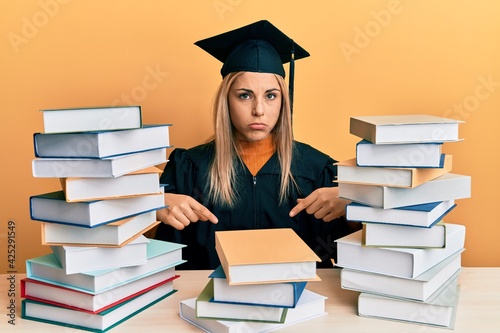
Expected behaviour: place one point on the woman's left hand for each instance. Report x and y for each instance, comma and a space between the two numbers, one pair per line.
324, 203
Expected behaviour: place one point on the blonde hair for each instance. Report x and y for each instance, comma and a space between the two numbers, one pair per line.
222, 171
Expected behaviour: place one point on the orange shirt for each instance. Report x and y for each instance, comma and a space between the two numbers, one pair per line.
256, 154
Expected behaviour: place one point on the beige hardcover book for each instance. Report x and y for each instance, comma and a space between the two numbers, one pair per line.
141, 182
349, 172
265, 256
115, 234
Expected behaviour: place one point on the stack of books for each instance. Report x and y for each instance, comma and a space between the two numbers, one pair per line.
102, 269
260, 285
405, 260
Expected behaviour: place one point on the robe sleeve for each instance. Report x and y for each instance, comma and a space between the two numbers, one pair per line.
179, 172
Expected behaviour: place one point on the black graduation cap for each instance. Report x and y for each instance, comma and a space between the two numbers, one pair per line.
257, 47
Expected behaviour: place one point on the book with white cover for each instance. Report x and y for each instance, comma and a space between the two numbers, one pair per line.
79, 259
405, 128
100, 144
440, 310
423, 215
311, 305
390, 235
447, 187
400, 262
98, 118
409, 155
45, 167
419, 288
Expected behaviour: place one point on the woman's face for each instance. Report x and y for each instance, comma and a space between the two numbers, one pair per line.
254, 105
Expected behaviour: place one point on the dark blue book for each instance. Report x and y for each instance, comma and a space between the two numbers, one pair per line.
423, 215
284, 294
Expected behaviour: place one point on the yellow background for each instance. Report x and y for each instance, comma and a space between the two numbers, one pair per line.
367, 58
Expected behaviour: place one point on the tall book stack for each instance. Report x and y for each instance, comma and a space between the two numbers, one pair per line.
102, 269
405, 260
260, 285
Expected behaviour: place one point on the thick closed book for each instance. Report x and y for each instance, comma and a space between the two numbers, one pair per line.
415, 128
440, 310
91, 119
80, 259
265, 256
102, 143
349, 172
52, 207
99, 322
141, 182
419, 288
92, 167
311, 305
86, 302
161, 256
400, 262
402, 155
114, 234
423, 215
447, 187
284, 294
206, 307
391, 235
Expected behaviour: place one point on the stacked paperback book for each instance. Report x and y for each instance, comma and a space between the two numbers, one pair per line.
260, 285
102, 269
405, 260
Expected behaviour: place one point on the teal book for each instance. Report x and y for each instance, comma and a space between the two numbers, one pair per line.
98, 322
285, 294
161, 256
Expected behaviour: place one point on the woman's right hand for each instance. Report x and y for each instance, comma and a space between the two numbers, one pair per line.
182, 210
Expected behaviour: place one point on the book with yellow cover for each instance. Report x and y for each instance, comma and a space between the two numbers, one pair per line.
265, 256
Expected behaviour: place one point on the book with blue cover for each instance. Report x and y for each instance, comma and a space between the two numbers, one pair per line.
422, 215
53, 207
285, 294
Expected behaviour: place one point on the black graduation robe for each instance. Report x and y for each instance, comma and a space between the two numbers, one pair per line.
258, 205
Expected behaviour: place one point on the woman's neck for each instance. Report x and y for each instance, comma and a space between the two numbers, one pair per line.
256, 154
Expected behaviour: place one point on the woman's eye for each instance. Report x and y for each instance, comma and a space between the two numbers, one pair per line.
271, 96
244, 96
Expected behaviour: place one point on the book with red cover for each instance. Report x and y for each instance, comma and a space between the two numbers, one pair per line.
92, 303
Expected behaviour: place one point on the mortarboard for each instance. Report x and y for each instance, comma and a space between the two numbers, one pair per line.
257, 47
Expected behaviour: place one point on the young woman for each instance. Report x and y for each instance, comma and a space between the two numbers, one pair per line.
253, 174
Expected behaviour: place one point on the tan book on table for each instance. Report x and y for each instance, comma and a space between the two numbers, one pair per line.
265, 256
